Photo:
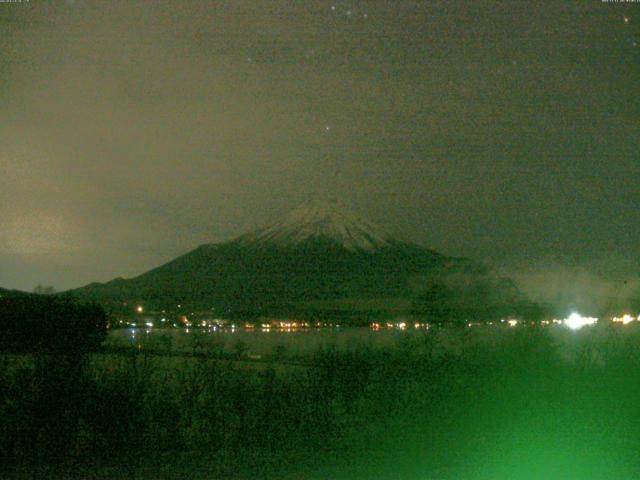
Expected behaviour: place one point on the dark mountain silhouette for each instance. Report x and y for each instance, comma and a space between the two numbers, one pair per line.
318, 261
4, 293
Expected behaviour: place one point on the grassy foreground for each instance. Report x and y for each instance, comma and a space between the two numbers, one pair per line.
470, 404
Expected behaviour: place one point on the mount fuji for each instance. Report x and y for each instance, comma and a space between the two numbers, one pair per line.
318, 261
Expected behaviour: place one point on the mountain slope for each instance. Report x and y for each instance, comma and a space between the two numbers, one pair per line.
318, 255
11, 293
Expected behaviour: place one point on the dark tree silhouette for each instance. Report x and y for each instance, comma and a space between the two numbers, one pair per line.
47, 323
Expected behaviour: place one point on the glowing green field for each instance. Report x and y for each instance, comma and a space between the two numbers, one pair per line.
506, 403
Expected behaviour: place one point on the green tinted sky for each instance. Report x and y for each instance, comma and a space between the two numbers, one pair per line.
133, 131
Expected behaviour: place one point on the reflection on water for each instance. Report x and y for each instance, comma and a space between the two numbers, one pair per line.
261, 341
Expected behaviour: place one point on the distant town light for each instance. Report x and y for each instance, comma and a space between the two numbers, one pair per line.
626, 318
139, 309
512, 323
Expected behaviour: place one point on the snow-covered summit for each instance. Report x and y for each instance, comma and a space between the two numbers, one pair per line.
328, 221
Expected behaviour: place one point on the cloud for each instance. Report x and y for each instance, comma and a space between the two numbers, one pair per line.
591, 289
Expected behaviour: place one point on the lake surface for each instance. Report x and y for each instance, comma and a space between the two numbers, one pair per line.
259, 342
435, 341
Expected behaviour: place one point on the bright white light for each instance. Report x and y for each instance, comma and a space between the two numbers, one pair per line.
139, 309
512, 323
576, 321
149, 324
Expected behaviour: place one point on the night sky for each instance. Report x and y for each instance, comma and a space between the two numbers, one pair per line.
131, 132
